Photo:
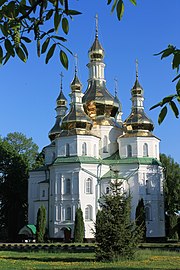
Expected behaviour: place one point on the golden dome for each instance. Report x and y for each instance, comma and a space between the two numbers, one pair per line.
76, 121
61, 109
138, 120
98, 101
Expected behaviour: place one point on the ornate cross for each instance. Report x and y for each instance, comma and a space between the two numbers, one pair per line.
61, 75
137, 68
96, 18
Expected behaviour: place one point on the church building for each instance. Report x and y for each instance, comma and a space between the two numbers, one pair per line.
90, 146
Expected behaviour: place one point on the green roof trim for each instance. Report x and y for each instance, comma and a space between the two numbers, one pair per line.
115, 159
112, 175
75, 159
32, 228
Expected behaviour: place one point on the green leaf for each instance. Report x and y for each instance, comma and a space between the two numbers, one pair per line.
176, 60
9, 47
50, 53
4, 29
114, 5
109, 2
1, 55
49, 14
21, 54
6, 58
64, 59
178, 87
174, 108
50, 31
26, 39
2, 2
167, 52
57, 19
120, 9
24, 49
162, 114
45, 45
73, 12
155, 106
59, 38
166, 99
133, 2
178, 76
65, 25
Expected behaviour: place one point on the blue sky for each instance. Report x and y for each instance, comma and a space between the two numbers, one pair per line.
29, 91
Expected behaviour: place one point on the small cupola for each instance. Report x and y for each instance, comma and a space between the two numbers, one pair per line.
138, 121
61, 108
76, 121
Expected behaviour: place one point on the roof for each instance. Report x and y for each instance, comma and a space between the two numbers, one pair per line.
112, 175
115, 159
32, 228
28, 230
75, 159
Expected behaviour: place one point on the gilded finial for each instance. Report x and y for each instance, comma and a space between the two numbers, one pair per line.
76, 62
137, 69
116, 86
61, 75
96, 18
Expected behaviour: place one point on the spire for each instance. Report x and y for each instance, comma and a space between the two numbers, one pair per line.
117, 103
76, 63
76, 120
116, 85
137, 69
137, 120
137, 84
76, 85
96, 52
96, 18
61, 108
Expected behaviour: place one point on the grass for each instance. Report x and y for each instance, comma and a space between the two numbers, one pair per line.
145, 259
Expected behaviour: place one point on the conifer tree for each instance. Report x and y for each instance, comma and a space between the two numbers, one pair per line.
116, 236
79, 226
41, 224
141, 218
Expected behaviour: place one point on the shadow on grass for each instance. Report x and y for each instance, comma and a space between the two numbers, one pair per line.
50, 259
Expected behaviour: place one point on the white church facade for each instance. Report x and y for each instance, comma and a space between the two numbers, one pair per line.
90, 146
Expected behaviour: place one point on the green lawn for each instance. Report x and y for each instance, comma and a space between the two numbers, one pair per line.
145, 259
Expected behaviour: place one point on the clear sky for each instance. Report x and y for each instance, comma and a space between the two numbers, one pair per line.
29, 91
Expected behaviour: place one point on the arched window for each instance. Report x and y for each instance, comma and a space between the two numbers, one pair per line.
129, 150
145, 150
43, 193
148, 187
68, 213
67, 150
88, 186
84, 149
148, 213
105, 144
88, 212
107, 190
67, 186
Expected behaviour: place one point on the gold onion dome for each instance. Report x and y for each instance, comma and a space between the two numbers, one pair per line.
138, 121
76, 121
96, 52
61, 108
99, 104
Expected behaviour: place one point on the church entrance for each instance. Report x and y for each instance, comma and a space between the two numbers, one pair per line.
67, 234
